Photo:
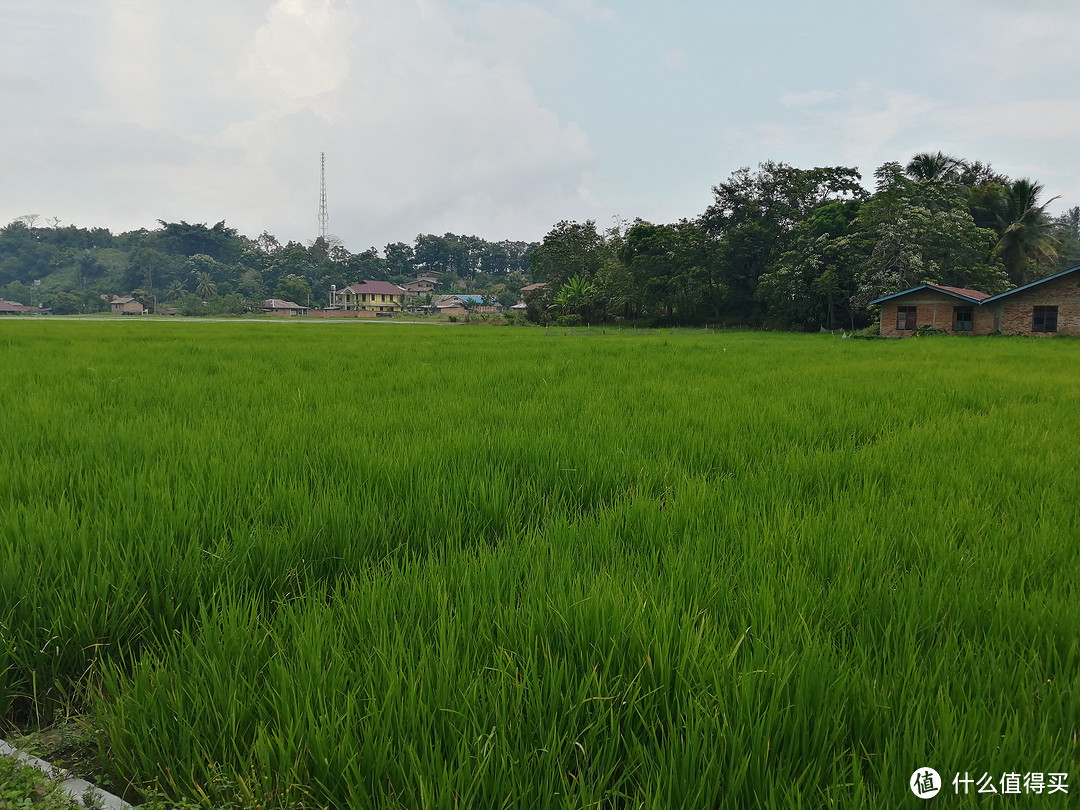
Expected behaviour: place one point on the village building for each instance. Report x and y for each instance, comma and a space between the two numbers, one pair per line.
378, 297
951, 309
457, 305
422, 286
528, 289
126, 306
1048, 306
287, 309
15, 308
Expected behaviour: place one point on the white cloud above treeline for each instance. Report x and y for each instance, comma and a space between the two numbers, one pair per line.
502, 117
220, 110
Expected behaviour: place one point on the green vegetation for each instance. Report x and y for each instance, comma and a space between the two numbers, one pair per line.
804, 249
24, 786
202, 270
348, 565
780, 247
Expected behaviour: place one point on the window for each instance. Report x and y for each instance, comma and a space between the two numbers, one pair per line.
1044, 319
962, 318
905, 318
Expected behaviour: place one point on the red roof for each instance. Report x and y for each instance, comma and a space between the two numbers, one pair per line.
376, 287
530, 287
14, 306
976, 294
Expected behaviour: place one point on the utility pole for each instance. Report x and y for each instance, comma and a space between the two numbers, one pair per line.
324, 217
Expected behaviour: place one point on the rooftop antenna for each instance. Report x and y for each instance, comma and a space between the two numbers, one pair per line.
324, 218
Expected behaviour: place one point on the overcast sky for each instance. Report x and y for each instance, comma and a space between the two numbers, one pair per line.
501, 118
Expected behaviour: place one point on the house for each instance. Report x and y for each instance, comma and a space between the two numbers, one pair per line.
1048, 306
379, 297
15, 308
457, 305
126, 306
526, 291
482, 305
287, 309
422, 286
12, 308
953, 309
451, 305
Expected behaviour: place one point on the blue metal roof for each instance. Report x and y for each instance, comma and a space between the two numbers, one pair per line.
1030, 285
935, 287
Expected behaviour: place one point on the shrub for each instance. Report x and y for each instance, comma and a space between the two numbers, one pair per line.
928, 331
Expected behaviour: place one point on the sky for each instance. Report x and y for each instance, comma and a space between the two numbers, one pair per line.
499, 119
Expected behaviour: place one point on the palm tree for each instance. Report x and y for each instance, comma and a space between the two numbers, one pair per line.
204, 285
936, 166
1026, 232
175, 291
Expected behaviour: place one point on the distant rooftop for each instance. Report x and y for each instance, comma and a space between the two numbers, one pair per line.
374, 287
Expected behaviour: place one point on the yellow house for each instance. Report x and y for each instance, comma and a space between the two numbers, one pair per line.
372, 296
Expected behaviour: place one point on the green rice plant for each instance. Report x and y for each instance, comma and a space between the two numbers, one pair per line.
355, 565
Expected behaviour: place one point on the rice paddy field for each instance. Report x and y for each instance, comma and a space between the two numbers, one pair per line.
387, 566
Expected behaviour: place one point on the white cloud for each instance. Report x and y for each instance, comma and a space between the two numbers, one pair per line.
675, 59
450, 115
1036, 120
515, 33
214, 111
865, 128
812, 98
868, 125
1009, 41
592, 10
301, 50
858, 126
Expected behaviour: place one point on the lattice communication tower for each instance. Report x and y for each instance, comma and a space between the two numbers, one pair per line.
324, 217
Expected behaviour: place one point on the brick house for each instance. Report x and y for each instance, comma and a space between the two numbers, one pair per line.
953, 309
1048, 306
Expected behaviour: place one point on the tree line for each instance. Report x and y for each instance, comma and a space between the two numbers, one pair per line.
779, 246
808, 248
203, 269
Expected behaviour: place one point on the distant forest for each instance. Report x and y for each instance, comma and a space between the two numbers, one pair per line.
779, 247
204, 270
